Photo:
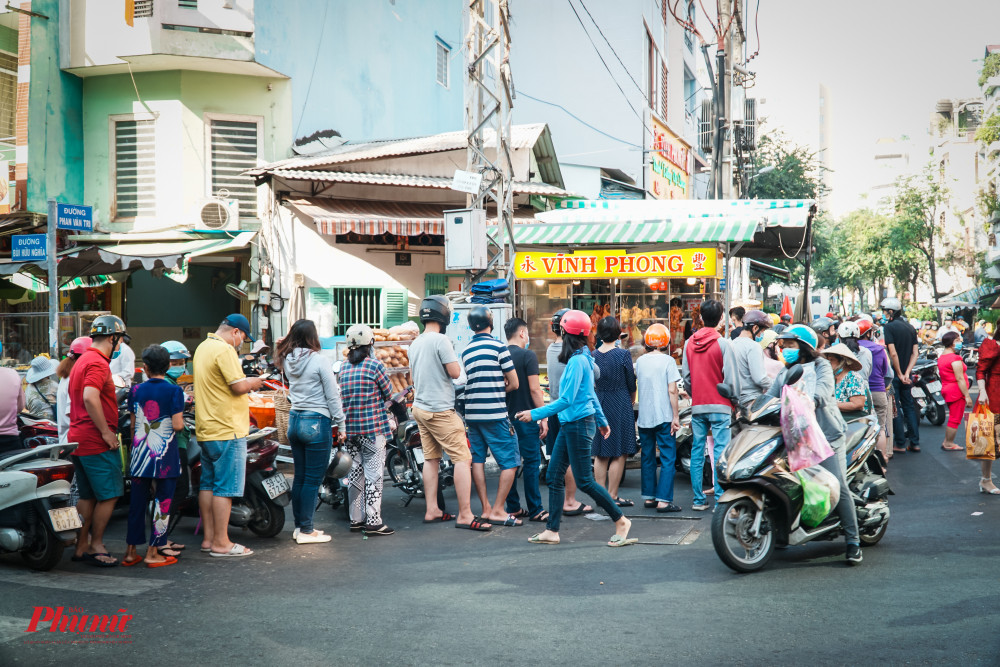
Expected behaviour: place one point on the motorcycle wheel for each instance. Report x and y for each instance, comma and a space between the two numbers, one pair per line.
873, 537
46, 553
731, 537
396, 463
268, 518
936, 414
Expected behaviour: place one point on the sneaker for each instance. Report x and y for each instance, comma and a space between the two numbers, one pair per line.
699, 507
295, 534
853, 554
314, 537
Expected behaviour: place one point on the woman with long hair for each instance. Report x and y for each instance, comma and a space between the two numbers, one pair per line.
615, 390
580, 416
988, 381
76, 348
316, 407
365, 387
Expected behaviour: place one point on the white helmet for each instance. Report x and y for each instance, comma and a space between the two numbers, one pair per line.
359, 336
891, 303
848, 330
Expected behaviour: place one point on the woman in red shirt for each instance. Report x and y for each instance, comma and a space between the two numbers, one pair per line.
988, 379
954, 389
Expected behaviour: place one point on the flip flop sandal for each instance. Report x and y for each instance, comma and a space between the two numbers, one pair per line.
379, 530
175, 547
238, 551
206, 550
623, 502
176, 552
915, 449
509, 522
649, 504
163, 563
476, 524
953, 448
82, 559
540, 517
669, 508
582, 509
619, 541
441, 519
129, 562
534, 539
357, 525
519, 514
96, 561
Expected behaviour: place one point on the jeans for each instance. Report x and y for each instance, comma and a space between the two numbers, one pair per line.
224, 467
658, 437
718, 422
138, 503
311, 439
837, 464
572, 449
906, 424
531, 458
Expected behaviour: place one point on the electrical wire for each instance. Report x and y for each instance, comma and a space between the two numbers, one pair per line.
319, 46
578, 119
756, 28
641, 91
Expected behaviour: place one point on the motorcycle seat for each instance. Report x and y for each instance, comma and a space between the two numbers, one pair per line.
855, 433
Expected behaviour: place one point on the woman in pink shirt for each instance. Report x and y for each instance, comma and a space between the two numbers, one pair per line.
954, 389
11, 403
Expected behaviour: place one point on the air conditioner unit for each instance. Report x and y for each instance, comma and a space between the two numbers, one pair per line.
705, 127
215, 214
749, 132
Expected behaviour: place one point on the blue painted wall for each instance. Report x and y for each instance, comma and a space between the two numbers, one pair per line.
55, 118
366, 69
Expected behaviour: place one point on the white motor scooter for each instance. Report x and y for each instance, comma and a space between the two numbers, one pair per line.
37, 518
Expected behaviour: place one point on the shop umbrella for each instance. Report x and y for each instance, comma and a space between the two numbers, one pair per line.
786, 307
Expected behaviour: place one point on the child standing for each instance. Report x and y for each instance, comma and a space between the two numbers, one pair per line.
157, 409
656, 378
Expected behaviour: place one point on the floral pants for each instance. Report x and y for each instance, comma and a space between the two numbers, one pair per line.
364, 482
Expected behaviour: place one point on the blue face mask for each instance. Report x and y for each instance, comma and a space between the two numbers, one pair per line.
758, 338
958, 345
790, 355
114, 355
176, 371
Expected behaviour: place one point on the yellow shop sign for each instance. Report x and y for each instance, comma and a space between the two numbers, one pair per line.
685, 263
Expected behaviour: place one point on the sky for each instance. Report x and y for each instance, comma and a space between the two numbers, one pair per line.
886, 63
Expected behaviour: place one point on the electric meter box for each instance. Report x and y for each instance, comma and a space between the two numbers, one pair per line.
465, 239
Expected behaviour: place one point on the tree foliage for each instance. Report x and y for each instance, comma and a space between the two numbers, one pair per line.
991, 67
796, 172
915, 223
989, 131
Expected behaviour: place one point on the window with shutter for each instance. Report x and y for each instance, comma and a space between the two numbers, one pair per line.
187, 4
135, 168
8, 95
396, 307
442, 64
435, 283
234, 151
143, 9
663, 90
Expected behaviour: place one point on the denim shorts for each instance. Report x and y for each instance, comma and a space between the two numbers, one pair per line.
223, 467
497, 437
99, 476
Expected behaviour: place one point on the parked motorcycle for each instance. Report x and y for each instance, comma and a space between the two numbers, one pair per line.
762, 503
36, 431
927, 391
37, 519
405, 455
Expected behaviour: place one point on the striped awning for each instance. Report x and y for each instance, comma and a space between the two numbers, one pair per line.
343, 216
35, 284
637, 233
769, 212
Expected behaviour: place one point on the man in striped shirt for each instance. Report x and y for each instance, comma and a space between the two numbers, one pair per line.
490, 374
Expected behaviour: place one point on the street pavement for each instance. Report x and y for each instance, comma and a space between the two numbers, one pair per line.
431, 594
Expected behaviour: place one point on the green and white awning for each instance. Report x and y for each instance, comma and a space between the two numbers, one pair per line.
770, 212
718, 230
30, 282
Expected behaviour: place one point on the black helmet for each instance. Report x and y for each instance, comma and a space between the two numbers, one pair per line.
436, 308
480, 318
108, 325
556, 319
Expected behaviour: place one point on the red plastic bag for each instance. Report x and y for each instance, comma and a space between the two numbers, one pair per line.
804, 441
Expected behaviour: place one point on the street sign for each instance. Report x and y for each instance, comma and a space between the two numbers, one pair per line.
27, 247
467, 181
75, 217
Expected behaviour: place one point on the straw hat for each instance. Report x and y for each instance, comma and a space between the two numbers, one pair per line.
844, 352
41, 368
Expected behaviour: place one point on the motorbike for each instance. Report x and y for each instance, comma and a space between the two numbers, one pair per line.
762, 501
926, 391
405, 455
37, 518
265, 495
36, 431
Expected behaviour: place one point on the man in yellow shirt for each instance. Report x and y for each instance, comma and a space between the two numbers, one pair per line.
222, 422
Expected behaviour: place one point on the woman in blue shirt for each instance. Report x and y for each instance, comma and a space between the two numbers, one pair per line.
580, 415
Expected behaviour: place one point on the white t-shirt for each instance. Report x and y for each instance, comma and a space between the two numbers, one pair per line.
124, 364
62, 411
654, 373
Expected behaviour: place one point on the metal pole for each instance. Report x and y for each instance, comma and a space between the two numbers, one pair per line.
50, 249
806, 306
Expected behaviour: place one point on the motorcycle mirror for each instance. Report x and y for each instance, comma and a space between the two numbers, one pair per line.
794, 374
337, 366
725, 390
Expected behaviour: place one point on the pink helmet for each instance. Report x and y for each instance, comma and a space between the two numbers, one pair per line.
576, 322
81, 345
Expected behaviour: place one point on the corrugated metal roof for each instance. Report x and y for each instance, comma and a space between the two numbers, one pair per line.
440, 182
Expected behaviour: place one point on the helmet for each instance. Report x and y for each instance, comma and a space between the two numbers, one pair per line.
107, 325
757, 317
576, 322
801, 333
436, 308
359, 336
821, 324
849, 330
480, 318
786, 318
80, 345
177, 349
864, 326
891, 303
557, 318
656, 336
340, 465
774, 319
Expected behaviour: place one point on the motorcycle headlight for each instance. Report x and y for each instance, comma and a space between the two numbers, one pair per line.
746, 466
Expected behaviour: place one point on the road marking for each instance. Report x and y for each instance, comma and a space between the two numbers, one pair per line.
12, 627
82, 583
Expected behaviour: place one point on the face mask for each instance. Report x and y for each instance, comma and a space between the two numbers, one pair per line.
839, 371
527, 342
114, 355
790, 355
758, 338
958, 345
175, 371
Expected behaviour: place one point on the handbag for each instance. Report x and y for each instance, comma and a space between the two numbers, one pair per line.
980, 442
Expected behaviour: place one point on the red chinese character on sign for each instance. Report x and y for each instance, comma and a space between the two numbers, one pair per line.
527, 266
698, 260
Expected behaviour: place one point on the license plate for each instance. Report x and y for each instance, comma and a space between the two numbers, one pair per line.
65, 518
933, 387
418, 454
275, 485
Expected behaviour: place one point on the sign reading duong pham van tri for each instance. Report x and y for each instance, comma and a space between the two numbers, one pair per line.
684, 263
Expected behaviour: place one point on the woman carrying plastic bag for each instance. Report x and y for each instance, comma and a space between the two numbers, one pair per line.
820, 493
988, 380
798, 346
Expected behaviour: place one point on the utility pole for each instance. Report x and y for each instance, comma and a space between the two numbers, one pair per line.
489, 98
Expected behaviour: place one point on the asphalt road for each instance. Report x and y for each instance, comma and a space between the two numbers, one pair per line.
435, 595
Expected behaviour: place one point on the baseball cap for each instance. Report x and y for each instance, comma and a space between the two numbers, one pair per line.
237, 321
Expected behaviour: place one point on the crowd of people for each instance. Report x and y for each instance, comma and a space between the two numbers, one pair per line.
854, 367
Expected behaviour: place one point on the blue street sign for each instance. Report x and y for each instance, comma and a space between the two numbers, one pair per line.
75, 217
27, 247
